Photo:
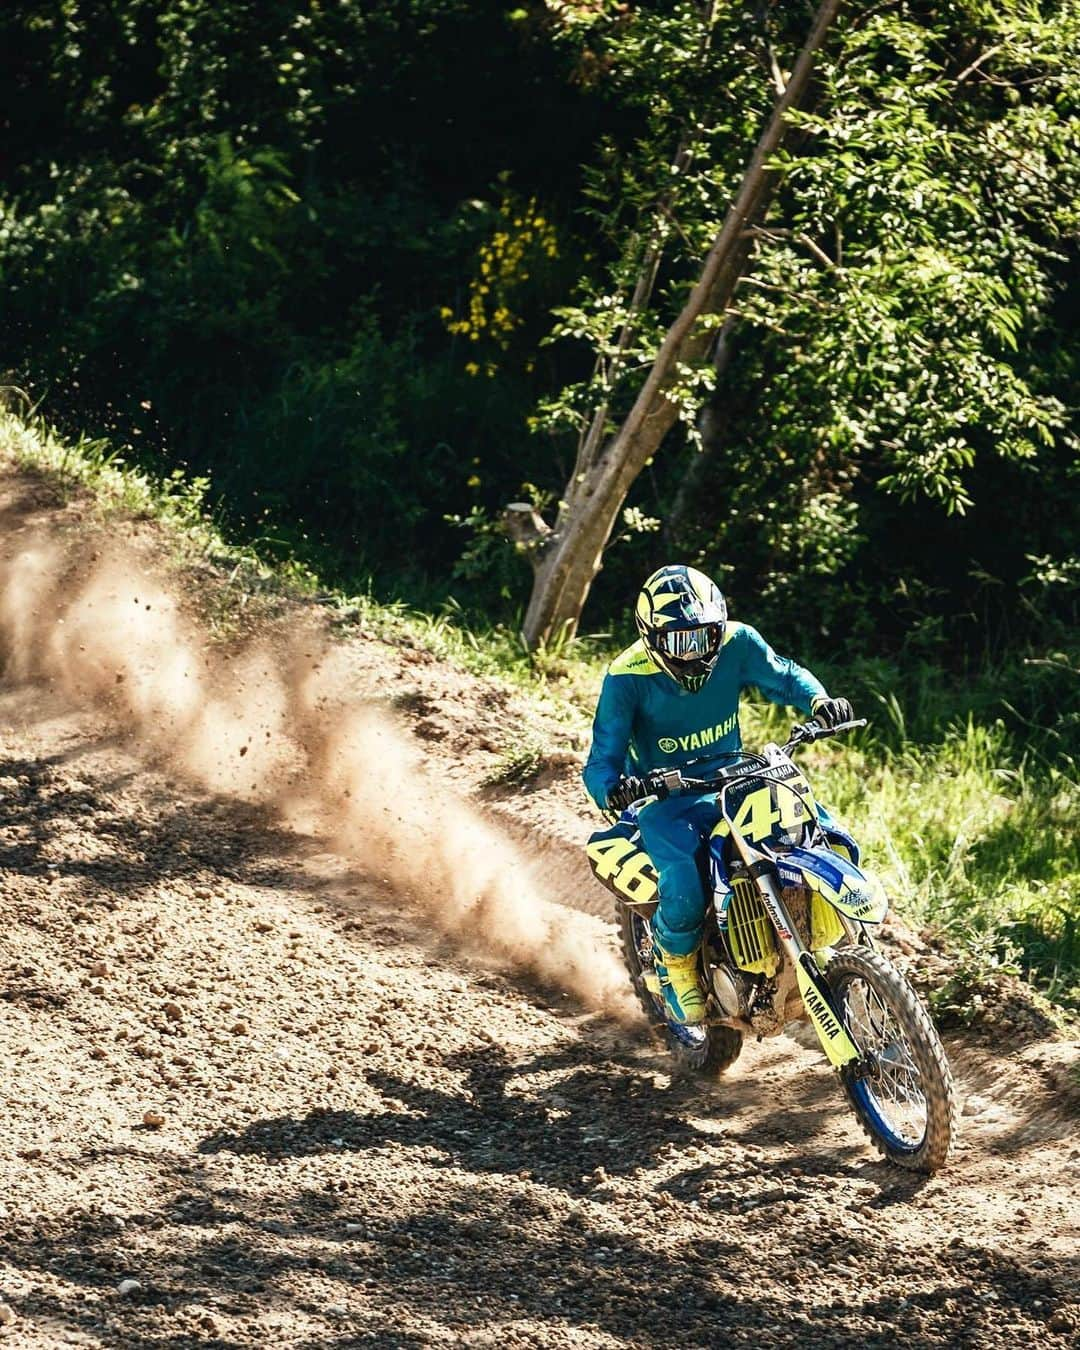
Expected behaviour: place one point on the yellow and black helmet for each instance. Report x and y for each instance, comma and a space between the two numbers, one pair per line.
681, 615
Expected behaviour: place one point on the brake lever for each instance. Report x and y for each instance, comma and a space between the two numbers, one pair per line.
814, 731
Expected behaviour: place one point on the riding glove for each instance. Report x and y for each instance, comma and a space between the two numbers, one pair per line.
830, 712
625, 791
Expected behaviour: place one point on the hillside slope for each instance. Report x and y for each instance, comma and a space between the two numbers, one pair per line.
298, 1041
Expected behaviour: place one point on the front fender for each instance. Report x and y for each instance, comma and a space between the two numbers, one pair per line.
849, 890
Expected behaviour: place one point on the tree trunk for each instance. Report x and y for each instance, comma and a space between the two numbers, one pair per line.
593, 498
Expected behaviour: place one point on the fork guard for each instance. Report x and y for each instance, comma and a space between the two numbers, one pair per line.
820, 1005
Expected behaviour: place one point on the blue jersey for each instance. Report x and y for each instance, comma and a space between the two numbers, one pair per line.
644, 720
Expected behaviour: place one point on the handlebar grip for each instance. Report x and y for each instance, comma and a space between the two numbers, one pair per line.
814, 731
665, 781
659, 784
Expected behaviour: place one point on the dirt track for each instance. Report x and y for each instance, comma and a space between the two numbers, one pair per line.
371, 1135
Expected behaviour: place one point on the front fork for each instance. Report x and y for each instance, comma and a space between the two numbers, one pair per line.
817, 997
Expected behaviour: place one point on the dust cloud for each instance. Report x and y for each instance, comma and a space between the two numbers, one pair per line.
280, 723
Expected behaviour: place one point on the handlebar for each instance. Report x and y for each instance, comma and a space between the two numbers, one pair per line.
805, 732
664, 783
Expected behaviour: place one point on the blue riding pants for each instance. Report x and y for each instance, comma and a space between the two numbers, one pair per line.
672, 832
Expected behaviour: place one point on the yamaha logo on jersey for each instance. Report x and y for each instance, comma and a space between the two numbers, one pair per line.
698, 740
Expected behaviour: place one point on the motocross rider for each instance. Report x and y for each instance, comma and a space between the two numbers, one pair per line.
670, 697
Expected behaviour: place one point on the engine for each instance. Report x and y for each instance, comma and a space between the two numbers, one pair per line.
757, 985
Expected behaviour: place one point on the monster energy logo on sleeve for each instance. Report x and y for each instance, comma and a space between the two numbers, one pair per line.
697, 740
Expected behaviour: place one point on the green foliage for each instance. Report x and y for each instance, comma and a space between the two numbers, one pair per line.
179, 503
919, 322
253, 242
975, 994
227, 233
518, 765
970, 821
901, 355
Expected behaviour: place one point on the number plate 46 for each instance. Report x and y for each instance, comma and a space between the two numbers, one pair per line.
623, 866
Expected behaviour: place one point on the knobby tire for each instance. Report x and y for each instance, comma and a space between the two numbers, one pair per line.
935, 1077
721, 1046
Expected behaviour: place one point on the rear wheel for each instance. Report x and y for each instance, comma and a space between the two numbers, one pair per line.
905, 1100
703, 1049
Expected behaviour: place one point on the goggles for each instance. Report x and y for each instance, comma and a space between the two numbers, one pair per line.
689, 644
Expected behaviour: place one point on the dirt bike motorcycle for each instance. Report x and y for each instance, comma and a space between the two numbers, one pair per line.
787, 938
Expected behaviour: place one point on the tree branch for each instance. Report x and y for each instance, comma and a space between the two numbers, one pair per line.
531, 534
779, 83
990, 51
784, 290
591, 440
774, 232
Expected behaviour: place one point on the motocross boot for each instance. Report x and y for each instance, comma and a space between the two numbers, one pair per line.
679, 985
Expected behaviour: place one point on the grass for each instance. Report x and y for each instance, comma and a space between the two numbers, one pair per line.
969, 836
517, 765
965, 796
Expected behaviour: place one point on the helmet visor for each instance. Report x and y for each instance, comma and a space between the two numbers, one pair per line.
690, 644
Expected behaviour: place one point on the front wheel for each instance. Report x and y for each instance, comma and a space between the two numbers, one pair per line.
703, 1049
904, 1098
